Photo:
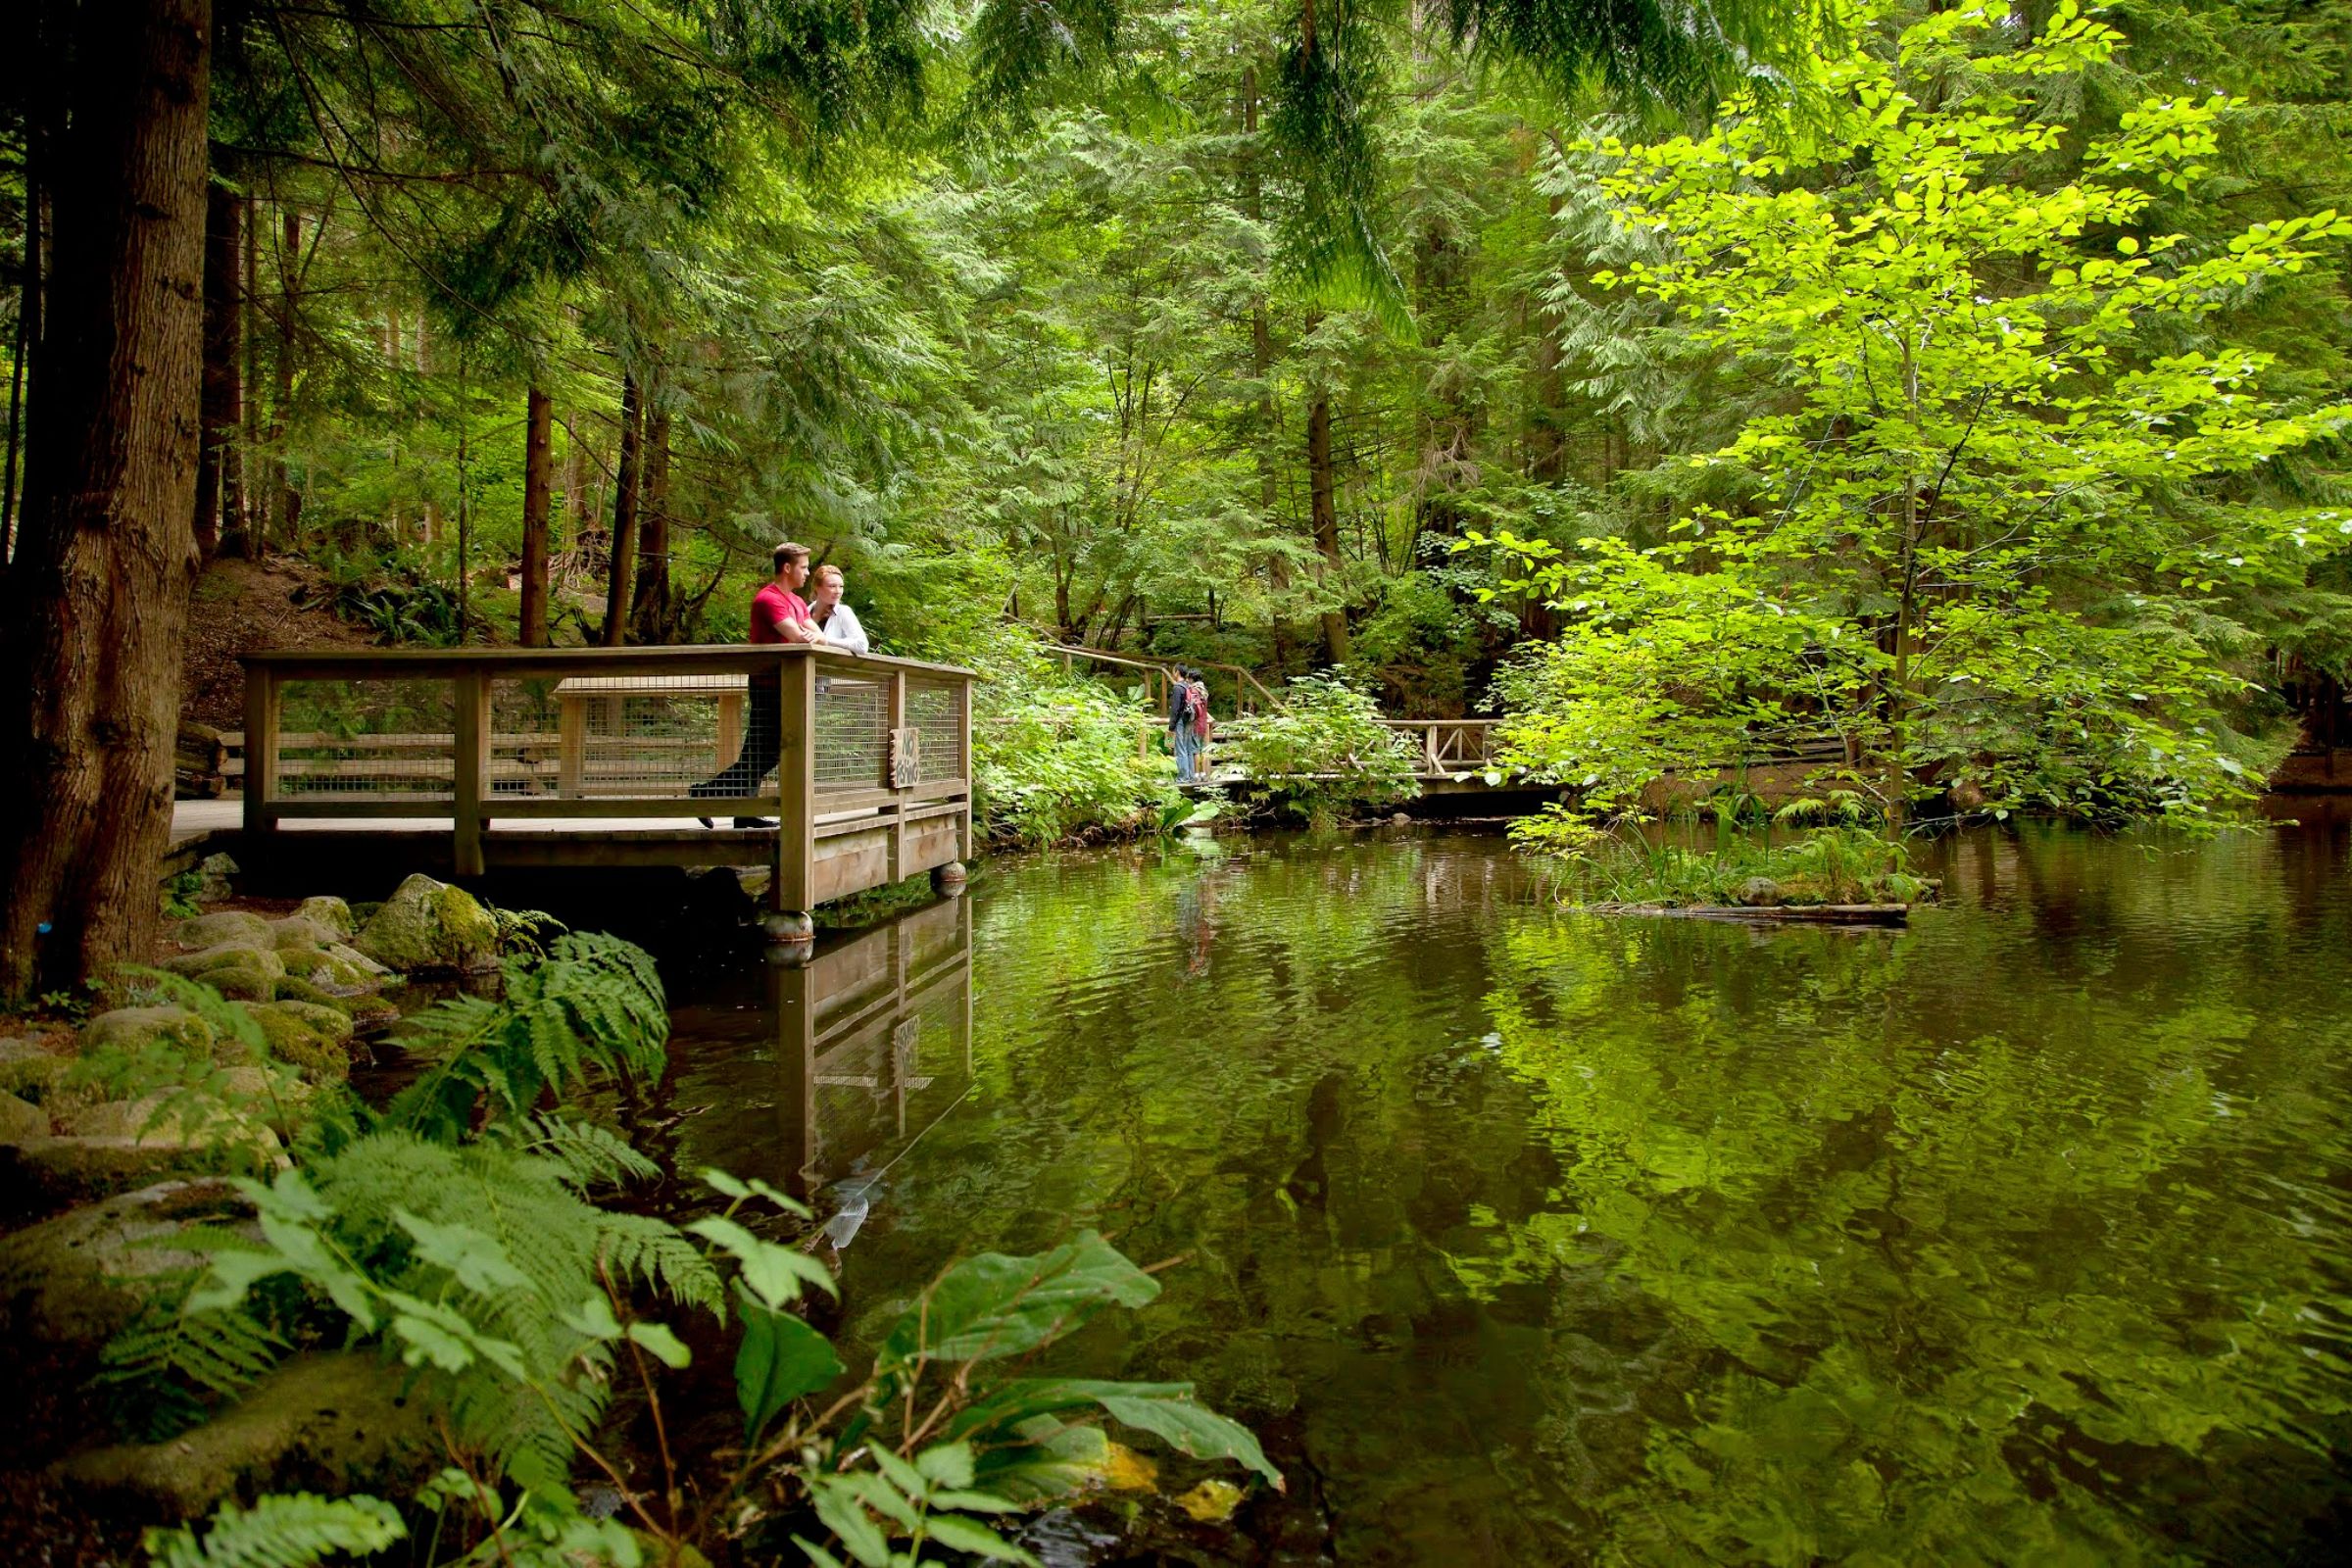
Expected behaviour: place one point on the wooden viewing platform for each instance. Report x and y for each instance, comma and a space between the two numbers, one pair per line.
479, 759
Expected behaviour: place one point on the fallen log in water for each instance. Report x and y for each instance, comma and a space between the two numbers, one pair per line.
1818, 913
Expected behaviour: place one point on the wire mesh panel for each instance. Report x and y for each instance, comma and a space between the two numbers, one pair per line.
853, 732
620, 735
934, 708
364, 739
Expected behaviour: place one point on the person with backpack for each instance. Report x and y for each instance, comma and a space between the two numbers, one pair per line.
1188, 721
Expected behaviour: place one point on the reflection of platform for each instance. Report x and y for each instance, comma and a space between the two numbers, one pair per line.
873, 1043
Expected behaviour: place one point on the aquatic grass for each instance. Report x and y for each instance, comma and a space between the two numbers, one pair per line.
1620, 864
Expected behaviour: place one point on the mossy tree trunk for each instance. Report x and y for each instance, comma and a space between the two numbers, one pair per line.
97, 598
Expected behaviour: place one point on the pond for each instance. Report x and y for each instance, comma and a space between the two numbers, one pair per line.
1528, 1236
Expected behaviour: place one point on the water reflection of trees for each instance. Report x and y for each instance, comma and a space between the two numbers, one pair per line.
2009, 1239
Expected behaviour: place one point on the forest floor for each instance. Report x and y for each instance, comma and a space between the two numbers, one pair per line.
241, 607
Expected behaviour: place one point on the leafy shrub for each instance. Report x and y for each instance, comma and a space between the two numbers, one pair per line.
1327, 752
491, 1297
1055, 758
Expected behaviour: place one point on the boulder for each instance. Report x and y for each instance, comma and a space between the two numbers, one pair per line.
339, 969
1760, 892
232, 955
28, 1070
181, 1119
216, 869
43, 1175
307, 1036
78, 1279
332, 914
222, 926
299, 931
332, 1424
429, 926
132, 1029
20, 1121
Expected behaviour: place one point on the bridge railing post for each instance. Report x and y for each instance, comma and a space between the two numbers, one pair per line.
470, 773
796, 783
261, 745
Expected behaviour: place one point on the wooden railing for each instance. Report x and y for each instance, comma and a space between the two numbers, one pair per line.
1447, 747
1250, 693
873, 754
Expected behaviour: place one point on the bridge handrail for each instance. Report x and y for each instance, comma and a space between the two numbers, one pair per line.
865, 765
1159, 667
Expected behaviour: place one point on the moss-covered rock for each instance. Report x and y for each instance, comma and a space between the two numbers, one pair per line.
134, 1029
78, 1279
29, 1071
222, 926
178, 1119
19, 1120
215, 870
241, 953
307, 1035
429, 926
332, 914
337, 968
331, 1424
297, 931
294, 988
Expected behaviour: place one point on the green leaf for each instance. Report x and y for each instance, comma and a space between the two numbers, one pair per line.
966, 1535
996, 1306
1193, 1429
779, 1359
477, 1261
773, 1273
948, 1464
666, 1346
842, 1508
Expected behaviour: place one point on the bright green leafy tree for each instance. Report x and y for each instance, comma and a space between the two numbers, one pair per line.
1992, 533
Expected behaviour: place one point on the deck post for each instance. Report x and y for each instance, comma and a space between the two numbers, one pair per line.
471, 772
788, 886
963, 747
895, 721
261, 745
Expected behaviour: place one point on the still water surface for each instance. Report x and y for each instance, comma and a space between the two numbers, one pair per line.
1525, 1237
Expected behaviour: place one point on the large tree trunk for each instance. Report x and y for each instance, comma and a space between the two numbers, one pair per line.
97, 602
1323, 509
222, 402
538, 422
654, 605
624, 515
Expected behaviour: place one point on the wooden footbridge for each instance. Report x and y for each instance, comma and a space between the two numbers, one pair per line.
473, 761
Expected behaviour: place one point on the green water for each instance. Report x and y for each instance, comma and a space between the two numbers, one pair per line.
2020, 1235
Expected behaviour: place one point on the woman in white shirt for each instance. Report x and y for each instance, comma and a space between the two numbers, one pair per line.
837, 622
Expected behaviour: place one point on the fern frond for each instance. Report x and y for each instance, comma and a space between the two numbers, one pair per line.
588, 1155
292, 1531
654, 1253
158, 1371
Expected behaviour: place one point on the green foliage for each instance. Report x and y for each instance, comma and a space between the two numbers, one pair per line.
1622, 864
180, 896
1325, 754
473, 1264
1055, 758
592, 1007
2001, 530
288, 1531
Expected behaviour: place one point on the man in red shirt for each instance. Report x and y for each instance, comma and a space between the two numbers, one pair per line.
779, 615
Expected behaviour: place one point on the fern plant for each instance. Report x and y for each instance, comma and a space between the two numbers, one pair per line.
289, 1531
591, 1007
474, 1264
